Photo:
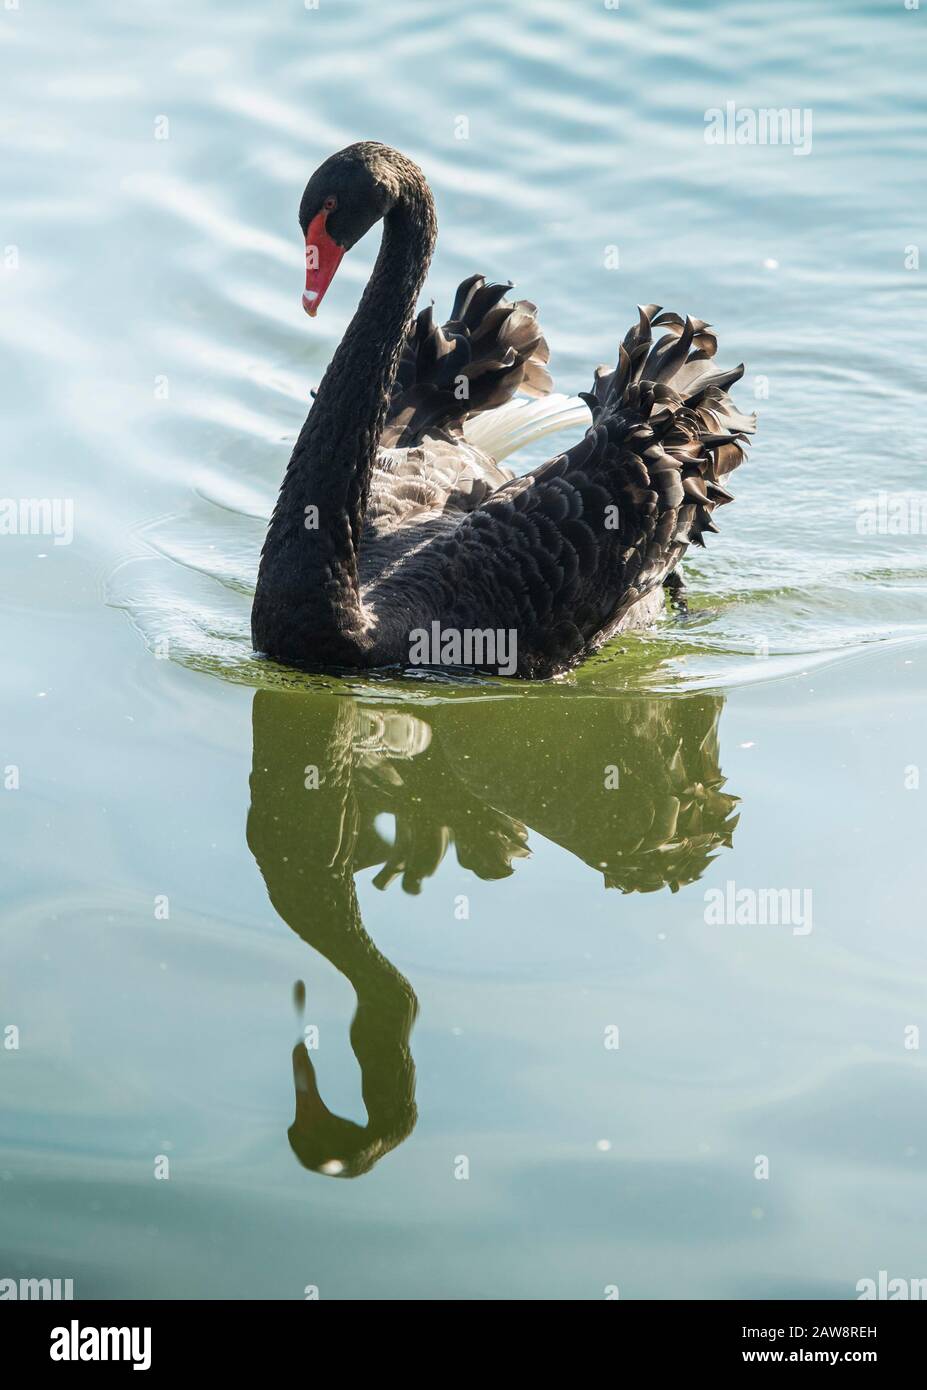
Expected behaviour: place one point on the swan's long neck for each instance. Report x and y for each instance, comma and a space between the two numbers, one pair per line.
308, 595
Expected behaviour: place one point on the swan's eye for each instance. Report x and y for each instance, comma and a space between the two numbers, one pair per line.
330, 204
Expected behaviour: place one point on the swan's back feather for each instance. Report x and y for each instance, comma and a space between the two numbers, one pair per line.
440, 449
489, 348
566, 553
455, 378
520, 422
419, 493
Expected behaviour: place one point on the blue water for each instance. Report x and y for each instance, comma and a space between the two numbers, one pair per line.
511, 912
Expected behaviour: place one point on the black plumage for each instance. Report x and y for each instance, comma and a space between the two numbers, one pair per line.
416, 527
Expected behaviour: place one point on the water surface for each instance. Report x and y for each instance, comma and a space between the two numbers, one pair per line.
537, 1066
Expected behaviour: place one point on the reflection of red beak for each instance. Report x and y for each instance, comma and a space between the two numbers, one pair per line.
323, 257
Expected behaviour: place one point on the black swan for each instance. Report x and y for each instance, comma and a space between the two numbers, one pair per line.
394, 540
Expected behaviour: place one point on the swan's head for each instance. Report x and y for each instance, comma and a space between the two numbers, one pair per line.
346, 195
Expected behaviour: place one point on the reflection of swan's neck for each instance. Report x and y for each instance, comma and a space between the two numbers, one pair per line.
380, 1029
304, 843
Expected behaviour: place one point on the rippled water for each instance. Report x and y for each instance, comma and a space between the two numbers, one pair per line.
497, 883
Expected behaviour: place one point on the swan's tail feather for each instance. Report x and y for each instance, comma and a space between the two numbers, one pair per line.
509, 427
489, 348
669, 405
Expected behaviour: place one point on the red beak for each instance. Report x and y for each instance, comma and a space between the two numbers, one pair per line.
323, 257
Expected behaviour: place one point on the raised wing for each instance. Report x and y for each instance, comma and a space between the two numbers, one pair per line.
561, 556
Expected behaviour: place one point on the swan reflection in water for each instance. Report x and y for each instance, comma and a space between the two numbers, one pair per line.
630, 786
